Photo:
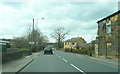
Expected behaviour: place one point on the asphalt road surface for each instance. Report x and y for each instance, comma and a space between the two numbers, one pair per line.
61, 61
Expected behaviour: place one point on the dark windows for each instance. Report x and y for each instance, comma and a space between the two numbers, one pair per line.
73, 43
65, 43
101, 24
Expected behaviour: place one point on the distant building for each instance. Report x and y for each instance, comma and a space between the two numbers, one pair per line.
74, 42
96, 47
108, 29
4, 44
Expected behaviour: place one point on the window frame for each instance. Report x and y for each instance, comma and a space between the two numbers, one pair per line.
108, 27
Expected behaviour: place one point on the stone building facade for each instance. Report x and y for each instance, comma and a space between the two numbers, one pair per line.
108, 35
73, 42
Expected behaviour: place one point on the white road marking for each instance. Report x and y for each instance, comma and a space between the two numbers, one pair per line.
60, 56
77, 68
64, 60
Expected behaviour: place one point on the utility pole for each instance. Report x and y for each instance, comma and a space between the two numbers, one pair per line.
33, 33
37, 35
33, 24
32, 36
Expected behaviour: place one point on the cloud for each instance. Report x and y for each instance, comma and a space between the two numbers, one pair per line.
78, 17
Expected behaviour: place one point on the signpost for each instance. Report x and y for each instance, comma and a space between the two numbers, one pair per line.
31, 43
36, 43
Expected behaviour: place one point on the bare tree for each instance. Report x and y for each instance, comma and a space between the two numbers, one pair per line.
59, 35
28, 36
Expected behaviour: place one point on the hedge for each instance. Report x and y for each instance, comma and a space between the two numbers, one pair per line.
10, 56
80, 51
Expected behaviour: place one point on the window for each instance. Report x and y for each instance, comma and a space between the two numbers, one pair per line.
68, 43
108, 27
73, 43
100, 24
65, 43
104, 27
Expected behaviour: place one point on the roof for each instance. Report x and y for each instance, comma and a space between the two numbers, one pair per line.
2, 44
4, 41
73, 39
81, 44
109, 16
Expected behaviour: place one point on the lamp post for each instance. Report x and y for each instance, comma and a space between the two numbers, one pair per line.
31, 42
37, 33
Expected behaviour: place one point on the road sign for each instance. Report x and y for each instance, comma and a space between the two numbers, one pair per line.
36, 42
31, 42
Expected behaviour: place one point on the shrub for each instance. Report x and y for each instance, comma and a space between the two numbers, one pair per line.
77, 47
25, 54
23, 49
67, 50
75, 50
57, 48
81, 51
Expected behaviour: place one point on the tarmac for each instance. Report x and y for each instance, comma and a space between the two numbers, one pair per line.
16, 65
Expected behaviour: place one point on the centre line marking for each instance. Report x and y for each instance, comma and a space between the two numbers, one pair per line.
77, 68
64, 60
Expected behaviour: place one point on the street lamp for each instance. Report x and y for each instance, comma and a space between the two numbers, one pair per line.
32, 38
37, 33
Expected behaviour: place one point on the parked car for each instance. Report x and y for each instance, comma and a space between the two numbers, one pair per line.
48, 49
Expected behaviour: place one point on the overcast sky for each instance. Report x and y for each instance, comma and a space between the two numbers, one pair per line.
78, 17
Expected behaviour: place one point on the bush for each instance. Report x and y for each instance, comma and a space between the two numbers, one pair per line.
25, 54
75, 51
67, 50
57, 48
81, 51
77, 47
23, 49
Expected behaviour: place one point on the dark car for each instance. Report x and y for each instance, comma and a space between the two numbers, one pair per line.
48, 49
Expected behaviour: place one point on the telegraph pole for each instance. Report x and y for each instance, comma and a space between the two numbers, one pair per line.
32, 36
33, 24
37, 35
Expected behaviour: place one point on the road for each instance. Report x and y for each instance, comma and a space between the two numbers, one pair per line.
61, 61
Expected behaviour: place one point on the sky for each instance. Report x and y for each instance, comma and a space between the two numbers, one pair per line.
77, 17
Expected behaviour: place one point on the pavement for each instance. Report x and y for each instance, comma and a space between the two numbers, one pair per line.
61, 61
104, 60
16, 65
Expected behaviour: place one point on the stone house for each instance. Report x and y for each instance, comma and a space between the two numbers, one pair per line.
73, 42
108, 29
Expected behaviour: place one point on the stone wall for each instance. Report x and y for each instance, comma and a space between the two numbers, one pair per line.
101, 42
114, 38
108, 44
